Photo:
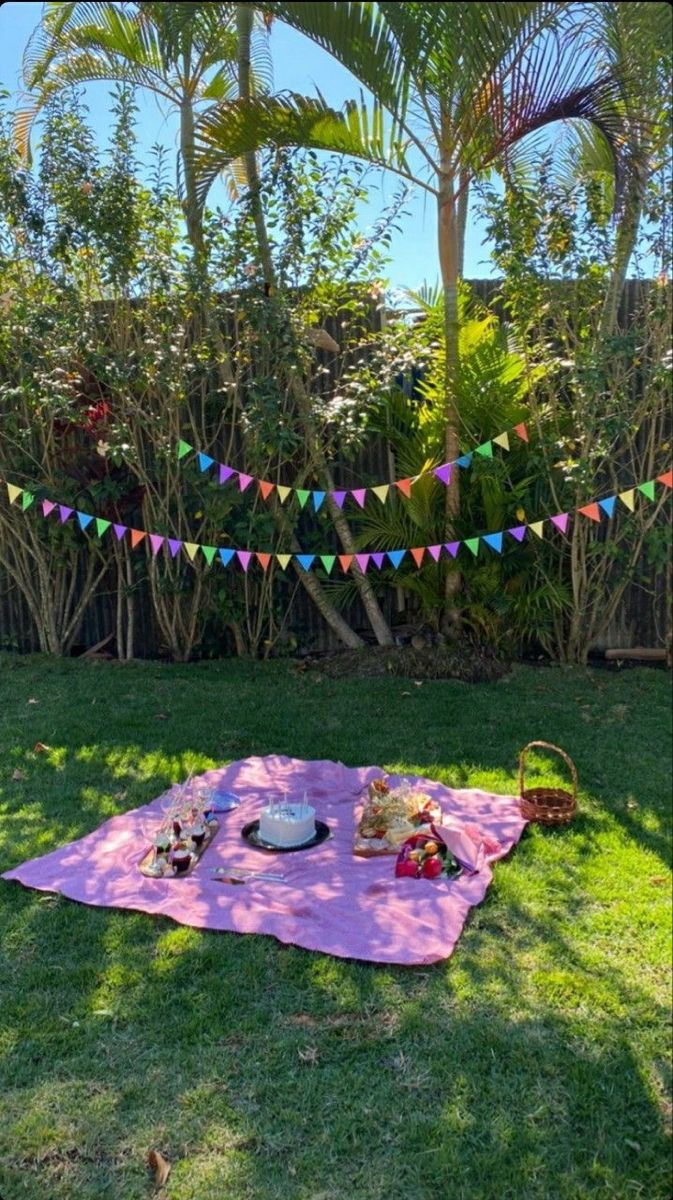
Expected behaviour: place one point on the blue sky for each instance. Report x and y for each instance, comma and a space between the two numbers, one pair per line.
298, 66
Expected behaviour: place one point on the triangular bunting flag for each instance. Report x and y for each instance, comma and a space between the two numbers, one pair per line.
502, 440
284, 560
328, 561
363, 561
225, 473
183, 448
244, 481
666, 479
647, 489
49, 506
561, 521
359, 494
592, 511
226, 556
444, 473
84, 520
486, 450
244, 557
14, 492
608, 505
305, 560
435, 551
464, 461
283, 492
518, 532
628, 498
382, 492
263, 559
174, 545
396, 557
378, 559
137, 536
417, 553
318, 498
192, 549
101, 525
64, 512
494, 540
209, 553
405, 486
120, 530
522, 432
205, 461
302, 496
538, 528
156, 542
266, 488
472, 544
27, 500
452, 548
345, 561
338, 498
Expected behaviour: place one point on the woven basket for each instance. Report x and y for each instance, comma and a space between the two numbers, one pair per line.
547, 805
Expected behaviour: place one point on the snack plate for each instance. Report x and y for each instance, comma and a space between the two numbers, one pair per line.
145, 864
250, 834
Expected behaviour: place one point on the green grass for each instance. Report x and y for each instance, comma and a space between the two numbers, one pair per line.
534, 1063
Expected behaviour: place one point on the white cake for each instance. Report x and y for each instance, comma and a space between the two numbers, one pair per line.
287, 824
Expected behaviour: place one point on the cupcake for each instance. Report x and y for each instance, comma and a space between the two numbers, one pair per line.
198, 833
181, 858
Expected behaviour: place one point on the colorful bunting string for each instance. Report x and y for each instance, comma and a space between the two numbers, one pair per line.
595, 511
443, 473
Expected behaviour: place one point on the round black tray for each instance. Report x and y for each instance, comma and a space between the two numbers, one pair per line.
250, 834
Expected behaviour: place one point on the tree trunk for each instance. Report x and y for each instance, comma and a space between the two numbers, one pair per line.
626, 240
449, 259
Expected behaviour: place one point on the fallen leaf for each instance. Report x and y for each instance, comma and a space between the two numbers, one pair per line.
160, 1165
405, 693
632, 1145
17, 774
162, 716
31, 701
40, 748
309, 1055
658, 880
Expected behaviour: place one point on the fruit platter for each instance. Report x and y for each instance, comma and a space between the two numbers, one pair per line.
176, 843
390, 816
426, 857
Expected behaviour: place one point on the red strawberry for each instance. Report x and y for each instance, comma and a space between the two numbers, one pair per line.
432, 867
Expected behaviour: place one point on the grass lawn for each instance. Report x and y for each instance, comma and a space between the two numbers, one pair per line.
534, 1063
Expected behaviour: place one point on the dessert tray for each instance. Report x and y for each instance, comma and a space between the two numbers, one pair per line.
179, 860
250, 834
390, 816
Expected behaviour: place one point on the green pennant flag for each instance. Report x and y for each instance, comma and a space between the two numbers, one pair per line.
473, 545
183, 448
209, 552
101, 525
328, 561
486, 450
646, 488
28, 497
302, 496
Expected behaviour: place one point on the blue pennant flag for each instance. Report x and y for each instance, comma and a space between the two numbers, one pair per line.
84, 520
305, 560
205, 461
494, 540
318, 498
608, 505
464, 461
396, 556
226, 556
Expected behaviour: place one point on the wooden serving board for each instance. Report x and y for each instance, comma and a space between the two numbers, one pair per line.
197, 853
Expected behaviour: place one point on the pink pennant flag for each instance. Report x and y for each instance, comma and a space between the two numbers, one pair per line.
338, 498
244, 557
64, 512
363, 561
452, 548
244, 481
225, 473
359, 495
174, 545
444, 473
156, 542
518, 532
561, 521
120, 530
377, 559
435, 551
47, 507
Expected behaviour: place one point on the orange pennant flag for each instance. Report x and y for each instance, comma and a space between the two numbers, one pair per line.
666, 479
522, 432
137, 536
266, 489
345, 561
405, 486
592, 511
417, 555
263, 559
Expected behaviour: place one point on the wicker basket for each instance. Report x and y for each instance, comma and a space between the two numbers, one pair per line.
549, 806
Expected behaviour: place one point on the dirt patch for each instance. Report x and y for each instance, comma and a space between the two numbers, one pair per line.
470, 663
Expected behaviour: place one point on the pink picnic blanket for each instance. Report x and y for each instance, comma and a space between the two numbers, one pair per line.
329, 900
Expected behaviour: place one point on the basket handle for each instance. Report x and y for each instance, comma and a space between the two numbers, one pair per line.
547, 746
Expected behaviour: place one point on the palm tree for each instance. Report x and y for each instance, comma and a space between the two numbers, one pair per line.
455, 87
